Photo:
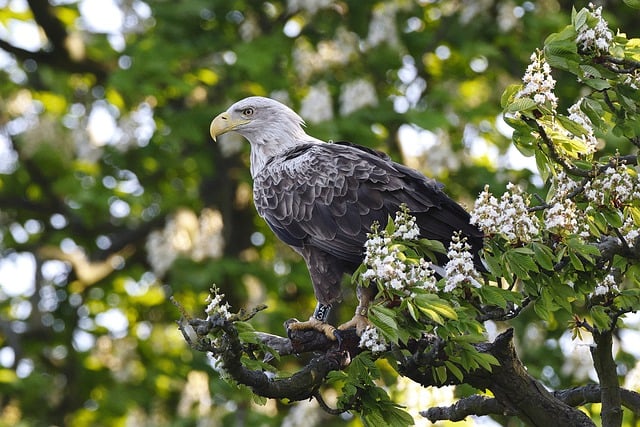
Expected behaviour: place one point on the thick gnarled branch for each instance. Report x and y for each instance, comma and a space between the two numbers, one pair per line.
516, 392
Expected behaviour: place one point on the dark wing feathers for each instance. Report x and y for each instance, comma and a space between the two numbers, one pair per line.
328, 195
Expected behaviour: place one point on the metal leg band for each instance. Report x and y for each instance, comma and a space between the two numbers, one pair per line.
322, 312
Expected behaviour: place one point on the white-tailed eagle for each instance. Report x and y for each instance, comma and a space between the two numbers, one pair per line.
322, 198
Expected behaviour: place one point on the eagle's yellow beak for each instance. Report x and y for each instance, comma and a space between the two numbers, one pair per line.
224, 123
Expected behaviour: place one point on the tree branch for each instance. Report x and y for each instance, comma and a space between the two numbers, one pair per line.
605, 366
511, 385
58, 55
515, 391
302, 385
482, 405
472, 405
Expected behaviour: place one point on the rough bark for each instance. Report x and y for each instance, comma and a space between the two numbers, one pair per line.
516, 392
605, 366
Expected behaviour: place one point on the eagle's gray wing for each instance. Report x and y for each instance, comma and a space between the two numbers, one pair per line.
327, 196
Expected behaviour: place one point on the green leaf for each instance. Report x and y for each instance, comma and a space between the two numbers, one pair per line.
542, 309
397, 417
613, 217
441, 374
543, 255
432, 314
453, 368
580, 19
384, 319
520, 262
374, 419
508, 94
600, 317
597, 84
570, 125
635, 4
493, 295
521, 104
576, 262
486, 360
435, 307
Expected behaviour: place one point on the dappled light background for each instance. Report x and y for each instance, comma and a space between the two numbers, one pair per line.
113, 197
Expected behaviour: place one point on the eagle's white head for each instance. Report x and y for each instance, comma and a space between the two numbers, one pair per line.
270, 127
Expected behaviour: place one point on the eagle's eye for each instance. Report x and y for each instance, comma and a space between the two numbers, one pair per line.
247, 112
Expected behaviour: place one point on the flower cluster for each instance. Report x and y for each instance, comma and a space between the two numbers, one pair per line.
608, 285
317, 105
356, 95
538, 82
594, 35
562, 215
372, 340
578, 116
630, 231
406, 227
387, 264
616, 186
185, 234
633, 80
460, 269
509, 217
216, 307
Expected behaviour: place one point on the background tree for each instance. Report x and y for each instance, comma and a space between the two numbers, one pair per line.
113, 198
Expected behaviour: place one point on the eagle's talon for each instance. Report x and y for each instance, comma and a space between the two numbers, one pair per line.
359, 322
315, 324
337, 333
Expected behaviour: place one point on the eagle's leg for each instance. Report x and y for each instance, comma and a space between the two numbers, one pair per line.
360, 319
318, 322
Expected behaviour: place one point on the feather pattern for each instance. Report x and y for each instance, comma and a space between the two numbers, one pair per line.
323, 198
327, 196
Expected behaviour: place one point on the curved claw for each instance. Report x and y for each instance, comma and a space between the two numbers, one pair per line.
337, 333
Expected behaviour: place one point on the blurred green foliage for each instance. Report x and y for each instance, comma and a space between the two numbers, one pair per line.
104, 142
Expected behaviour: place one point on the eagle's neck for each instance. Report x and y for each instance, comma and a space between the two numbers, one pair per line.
274, 142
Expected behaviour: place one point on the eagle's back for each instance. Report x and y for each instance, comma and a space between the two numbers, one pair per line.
328, 195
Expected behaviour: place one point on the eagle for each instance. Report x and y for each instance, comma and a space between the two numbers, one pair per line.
322, 199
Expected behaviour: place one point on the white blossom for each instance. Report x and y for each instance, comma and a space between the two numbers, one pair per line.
317, 106
386, 264
630, 231
309, 59
306, 413
185, 234
357, 94
216, 362
509, 217
595, 38
460, 269
372, 340
578, 116
311, 6
616, 186
538, 82
633, 80
406, 227
216, 306
382, 26
608, 285
562, 215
